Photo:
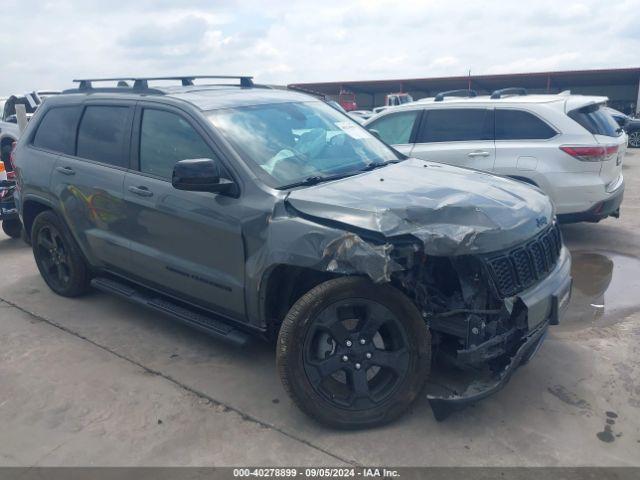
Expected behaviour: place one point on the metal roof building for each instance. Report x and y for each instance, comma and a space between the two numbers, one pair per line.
621, 85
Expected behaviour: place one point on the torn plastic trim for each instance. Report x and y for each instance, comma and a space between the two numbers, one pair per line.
350, 253
443, 406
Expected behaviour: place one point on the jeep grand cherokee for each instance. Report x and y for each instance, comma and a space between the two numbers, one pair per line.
243, 210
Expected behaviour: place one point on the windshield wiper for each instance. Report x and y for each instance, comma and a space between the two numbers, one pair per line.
374, 165
315, 179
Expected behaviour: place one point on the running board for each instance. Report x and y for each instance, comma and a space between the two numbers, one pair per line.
205, 323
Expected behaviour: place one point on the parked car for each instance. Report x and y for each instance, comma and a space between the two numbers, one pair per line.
347, 100
393, 100
245, 211
360, 115
566, 145
9, 131
630, 125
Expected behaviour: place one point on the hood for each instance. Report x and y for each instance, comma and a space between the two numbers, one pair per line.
451, 210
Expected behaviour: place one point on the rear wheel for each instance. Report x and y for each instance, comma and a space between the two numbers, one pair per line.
58, 258
634, 139
13, 228
353, 354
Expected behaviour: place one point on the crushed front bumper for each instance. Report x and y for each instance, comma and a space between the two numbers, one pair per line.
545, 304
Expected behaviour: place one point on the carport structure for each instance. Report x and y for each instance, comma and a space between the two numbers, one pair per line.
621, 85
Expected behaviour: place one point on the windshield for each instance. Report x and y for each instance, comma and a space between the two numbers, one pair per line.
292, 142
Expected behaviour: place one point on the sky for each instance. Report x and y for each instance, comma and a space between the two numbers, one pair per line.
46, 44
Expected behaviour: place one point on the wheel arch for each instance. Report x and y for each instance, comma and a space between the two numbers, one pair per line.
282, 285
31, 208
524, 180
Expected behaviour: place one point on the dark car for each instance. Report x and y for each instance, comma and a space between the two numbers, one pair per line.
248, 211
630, 125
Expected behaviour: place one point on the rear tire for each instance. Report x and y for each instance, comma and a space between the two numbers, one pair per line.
353, 354
57, 256
13, 228
634, 139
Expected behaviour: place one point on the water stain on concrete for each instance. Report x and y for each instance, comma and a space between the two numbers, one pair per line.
605, 289
568, 397
607, 435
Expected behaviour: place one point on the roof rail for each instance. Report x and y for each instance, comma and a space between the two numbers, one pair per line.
141, 84
308, 91
508, 91
464, 92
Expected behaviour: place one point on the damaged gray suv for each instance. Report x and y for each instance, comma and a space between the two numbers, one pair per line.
248, 211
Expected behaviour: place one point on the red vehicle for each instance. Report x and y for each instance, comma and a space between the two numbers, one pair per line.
347, 100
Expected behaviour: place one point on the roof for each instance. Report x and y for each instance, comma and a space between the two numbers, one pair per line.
214, 98
564, 101
558, 80
204, 97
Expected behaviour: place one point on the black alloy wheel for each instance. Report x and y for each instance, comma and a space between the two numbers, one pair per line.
356, 354
352, 353
58, 258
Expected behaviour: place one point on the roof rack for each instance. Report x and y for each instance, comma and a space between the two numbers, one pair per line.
458, 93
508, 91
308, 91
141, 84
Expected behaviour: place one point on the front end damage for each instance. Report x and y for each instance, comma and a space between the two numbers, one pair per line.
480, 256
488, 312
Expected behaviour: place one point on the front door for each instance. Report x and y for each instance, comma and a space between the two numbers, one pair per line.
457, 136
186, 243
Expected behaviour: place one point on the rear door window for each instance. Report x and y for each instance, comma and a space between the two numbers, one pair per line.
520, 125
166, 138
596, 121
103, 134
456, 125
395, 128
57, 130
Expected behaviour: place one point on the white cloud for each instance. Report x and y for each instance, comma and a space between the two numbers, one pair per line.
284, 42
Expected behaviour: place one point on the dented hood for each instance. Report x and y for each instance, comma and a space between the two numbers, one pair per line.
450, 210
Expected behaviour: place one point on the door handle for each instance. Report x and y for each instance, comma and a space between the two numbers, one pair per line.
478, 154
66, 170
142, 191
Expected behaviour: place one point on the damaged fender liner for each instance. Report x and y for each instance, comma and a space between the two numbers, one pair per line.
443, 406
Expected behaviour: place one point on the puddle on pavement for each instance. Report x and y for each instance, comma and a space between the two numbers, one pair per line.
606, 288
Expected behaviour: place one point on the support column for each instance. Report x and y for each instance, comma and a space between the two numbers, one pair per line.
638, 98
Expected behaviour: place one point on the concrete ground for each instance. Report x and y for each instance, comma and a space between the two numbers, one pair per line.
98, 381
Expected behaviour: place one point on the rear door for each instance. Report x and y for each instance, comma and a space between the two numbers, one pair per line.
521, 139
88, 182
457, 136
397, 128
607, 133
188, 244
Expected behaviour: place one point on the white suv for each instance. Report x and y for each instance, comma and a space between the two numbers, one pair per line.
567, 145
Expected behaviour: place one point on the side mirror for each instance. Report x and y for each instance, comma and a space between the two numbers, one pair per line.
201, 175
375, 133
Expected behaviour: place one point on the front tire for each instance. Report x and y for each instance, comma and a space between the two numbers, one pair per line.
353, 354
13, 228
634, 139
57, 256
